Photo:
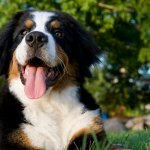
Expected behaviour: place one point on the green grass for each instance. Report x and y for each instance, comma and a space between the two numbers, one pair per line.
130, 140
134, 140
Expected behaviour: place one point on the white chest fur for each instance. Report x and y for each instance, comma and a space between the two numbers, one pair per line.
54, 118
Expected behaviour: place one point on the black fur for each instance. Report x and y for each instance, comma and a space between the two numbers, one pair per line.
79, 48
7, 42
84, 51
10, 116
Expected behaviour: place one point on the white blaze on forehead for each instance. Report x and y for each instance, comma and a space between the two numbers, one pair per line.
41, 19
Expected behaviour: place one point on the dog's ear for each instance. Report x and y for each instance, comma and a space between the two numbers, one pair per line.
89, 51
85, 49
6, 42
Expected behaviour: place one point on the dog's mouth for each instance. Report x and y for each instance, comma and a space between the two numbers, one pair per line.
37, 77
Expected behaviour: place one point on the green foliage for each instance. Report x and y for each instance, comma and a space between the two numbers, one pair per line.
121, 30
144, 54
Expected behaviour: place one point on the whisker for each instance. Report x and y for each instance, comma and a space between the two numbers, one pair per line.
63, 66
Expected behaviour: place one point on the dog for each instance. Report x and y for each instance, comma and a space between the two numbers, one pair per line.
45, 57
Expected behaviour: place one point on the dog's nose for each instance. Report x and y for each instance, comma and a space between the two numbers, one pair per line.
36, 39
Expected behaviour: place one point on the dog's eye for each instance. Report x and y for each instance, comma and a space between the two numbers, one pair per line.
59, 34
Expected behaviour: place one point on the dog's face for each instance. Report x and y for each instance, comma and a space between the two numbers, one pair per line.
45, 49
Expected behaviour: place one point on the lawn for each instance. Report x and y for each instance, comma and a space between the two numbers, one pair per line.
134, 140
130, 140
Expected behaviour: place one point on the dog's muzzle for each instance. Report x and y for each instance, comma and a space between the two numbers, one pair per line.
38, 74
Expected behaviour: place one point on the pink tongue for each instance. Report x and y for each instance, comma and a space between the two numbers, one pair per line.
35, 85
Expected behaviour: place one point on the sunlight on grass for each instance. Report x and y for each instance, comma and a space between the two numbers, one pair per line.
135, 140
130, 140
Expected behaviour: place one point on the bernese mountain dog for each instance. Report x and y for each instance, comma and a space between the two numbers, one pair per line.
45, 57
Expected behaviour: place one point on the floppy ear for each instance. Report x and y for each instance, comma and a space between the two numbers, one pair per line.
85, 49
89, 51
6, 42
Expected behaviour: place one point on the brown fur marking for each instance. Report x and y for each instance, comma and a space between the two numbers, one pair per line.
28, 23
70, 71
55, 24
20, 138
97, 125
13, 68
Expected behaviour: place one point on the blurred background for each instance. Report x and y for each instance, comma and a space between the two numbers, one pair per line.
121, 29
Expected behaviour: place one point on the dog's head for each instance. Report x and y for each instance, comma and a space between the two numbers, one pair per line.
45, 49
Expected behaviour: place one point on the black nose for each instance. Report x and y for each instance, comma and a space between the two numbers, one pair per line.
36, 39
